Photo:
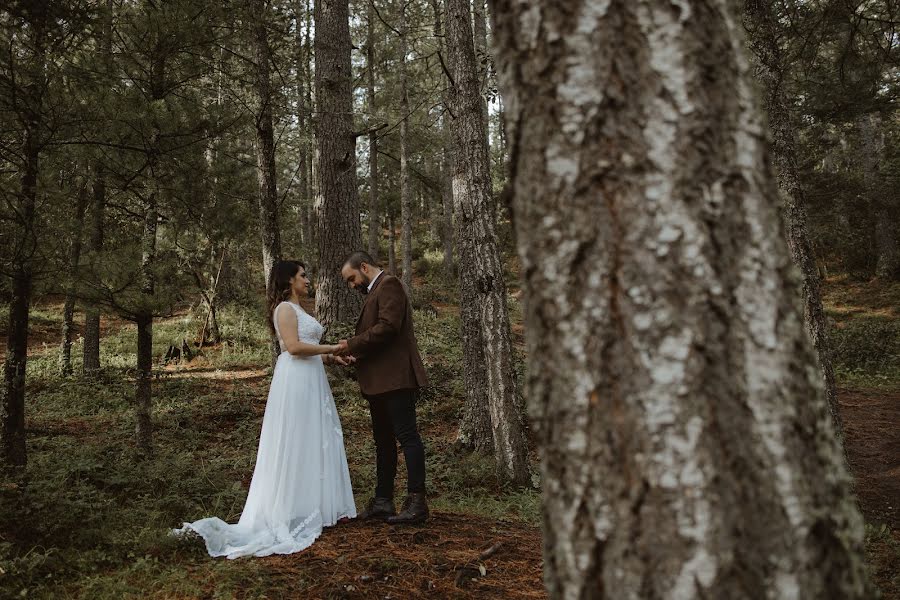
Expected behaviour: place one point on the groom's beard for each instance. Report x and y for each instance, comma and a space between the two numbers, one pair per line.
363, 288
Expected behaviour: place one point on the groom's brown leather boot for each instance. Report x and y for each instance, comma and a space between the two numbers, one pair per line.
379, 508
415, 511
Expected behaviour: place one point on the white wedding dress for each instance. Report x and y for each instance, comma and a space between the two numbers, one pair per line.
301, 482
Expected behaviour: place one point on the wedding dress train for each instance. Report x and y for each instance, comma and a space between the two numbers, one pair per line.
301, 482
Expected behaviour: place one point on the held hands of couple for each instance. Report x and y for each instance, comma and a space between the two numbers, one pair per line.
342, 348
340, 355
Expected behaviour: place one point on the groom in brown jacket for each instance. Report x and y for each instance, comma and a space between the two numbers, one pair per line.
390, 373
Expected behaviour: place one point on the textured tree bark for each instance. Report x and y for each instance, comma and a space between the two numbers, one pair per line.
405, 184
481, 274
339, 229
686, 445
374, 215
65, 351
771, 70
90, 363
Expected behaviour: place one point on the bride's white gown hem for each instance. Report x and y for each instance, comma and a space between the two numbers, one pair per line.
301, 482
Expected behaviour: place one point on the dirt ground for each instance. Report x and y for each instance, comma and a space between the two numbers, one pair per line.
872, 431
454, 556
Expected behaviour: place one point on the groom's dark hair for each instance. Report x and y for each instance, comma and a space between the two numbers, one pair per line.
359, 257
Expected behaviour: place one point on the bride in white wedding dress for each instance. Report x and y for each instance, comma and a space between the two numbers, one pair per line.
301, 482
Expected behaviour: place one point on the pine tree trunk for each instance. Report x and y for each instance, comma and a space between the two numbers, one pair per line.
405, 187
90, 362
265, 142
887, 264
339, 228
392, 245
301, 70
374, 216
90, 358
446, 185
14, 368
31, 85
483, 60
771, 71
480, 266
143, 391
269, 227
144, 388
447, 206
65, 351
686, 445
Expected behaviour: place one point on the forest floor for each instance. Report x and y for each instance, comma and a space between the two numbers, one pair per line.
91, 521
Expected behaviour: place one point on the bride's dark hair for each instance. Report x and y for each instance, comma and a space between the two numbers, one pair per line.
279, 288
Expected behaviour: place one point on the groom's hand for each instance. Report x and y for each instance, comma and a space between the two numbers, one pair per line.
344, 361
343, 349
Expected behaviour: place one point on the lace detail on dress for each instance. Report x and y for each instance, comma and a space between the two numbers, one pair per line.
309, 331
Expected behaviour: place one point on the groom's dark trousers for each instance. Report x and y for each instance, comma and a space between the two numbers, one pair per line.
390, 373
394, 420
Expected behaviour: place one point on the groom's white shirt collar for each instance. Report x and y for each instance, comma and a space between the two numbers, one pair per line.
371, 283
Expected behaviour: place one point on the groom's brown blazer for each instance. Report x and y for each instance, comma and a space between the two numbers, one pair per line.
385, 344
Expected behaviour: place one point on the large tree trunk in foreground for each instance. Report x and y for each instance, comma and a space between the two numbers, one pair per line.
339, 228
686, 446
480, 267
771, 70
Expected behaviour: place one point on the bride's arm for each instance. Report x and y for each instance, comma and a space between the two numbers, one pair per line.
287, 325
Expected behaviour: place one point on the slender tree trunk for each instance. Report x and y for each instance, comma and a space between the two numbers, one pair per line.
90, 359
265, 142
392, 245
339, 228
374, 216
771, 71
446, 139
887, 264
65, 352
90, 362
31, 85
480, 268
14, 368
302, 57
686, 445
144, 319
265, 150
405, 186
482, 60
447, 206
144, 388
